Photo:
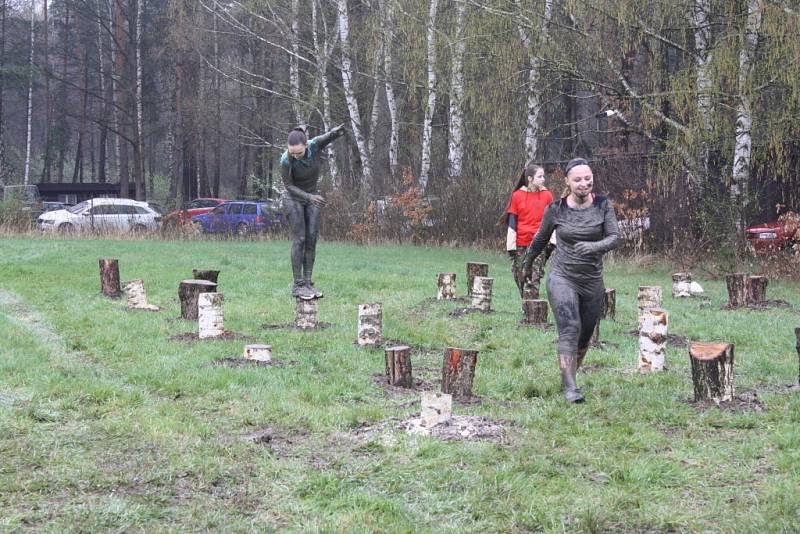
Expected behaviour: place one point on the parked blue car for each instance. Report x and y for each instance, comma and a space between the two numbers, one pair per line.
240, 217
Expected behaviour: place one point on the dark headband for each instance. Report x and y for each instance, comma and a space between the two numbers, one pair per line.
574, 163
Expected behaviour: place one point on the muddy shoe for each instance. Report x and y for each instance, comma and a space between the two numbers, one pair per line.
317, 293
301, 291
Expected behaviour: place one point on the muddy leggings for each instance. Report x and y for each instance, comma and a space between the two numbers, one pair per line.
576, 314
304, 222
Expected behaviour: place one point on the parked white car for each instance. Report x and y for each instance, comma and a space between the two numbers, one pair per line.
102, 215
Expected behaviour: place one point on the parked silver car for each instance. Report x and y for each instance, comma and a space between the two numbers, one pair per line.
102, 215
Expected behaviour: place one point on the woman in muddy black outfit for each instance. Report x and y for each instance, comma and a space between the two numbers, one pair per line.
587, 228
300, 168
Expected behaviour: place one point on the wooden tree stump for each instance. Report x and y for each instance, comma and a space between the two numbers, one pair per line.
205, 274
534, 311
109, 278
137, 298
474, 269
681, 285
482, 293
210, 315
610, 304
712, 371
437, 408
737, 289
370, 319
756, 288
258, 352
188, 290
648, 297
305, 314
446, 286
458, 372
653, 340
398, 366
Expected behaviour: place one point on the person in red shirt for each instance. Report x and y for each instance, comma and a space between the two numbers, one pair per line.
524, 216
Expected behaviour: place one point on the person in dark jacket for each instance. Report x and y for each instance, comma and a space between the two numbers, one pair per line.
587, 228
300, 167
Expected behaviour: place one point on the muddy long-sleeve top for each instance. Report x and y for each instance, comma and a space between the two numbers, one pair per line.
300, 176
584, 235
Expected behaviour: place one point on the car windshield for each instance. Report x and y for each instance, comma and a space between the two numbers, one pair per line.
77, 208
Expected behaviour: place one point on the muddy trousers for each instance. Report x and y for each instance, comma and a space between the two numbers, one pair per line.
529, 288
576, 314
304, 224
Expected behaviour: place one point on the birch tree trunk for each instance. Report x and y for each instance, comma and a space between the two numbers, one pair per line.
120, 102
698, 19
30, 99
48, 129
376, 98
101, 175
387, 28
425, 166
455, 156
744, 119
217, 111
141, 192
352, 101
294, 67
534, 78
322, 50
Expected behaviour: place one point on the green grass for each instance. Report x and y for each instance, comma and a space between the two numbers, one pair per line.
107, 425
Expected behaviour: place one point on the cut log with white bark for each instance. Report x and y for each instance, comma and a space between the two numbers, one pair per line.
648, 297
137, 298
258, 352
610, 304
681, 285
370, 324
458, 371
211, 275
188, 290
305, 314
210, 315
534, 311
695, 289
109, 278
756, 288
737, 289
712, 371
446, 286
482, 293
475, 268
398, 366
653, 340
437, 408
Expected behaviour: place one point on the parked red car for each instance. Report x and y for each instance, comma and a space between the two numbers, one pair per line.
774, 236
197, 206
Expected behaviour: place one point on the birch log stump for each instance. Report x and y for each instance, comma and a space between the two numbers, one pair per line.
305, 314
648, 297
653, 340
712, 371
109, 278
370, 319
258, 352
188, 291
137, 298
737, 289
756, 287
205, 274
482, 293
398, 366
474, 269
458, 372
534, 311
681, 285
610, 304
210, 315
446, 286
437, 408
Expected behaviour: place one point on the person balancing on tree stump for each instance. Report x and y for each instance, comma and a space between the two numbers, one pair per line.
300, 168
587, 228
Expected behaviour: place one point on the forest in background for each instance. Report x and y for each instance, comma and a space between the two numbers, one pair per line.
689, 110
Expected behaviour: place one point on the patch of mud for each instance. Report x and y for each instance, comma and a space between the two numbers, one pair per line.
190, 337
458, 428
761, 306
420, 384
746, 401
544, 327
673, 340
461, 312
243, 362
291, 326
593, 368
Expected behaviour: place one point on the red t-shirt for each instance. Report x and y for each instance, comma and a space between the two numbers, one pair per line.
529, 207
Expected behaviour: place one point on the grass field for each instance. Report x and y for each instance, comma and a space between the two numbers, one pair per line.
106, 424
